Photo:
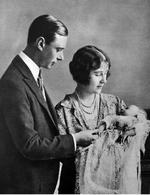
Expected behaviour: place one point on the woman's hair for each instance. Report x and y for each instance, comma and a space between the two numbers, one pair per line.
85, 60
46, 26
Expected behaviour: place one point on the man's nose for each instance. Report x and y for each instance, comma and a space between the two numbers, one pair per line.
60, 56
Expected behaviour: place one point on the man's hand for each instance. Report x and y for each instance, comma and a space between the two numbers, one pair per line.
85, 138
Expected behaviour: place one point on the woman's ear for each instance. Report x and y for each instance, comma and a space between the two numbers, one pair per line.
40, 43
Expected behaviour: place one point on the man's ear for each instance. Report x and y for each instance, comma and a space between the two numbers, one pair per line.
40, 43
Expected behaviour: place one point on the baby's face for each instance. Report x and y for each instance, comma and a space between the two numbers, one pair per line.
132, 110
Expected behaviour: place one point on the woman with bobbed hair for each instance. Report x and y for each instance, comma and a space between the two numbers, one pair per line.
85, 109
86, 59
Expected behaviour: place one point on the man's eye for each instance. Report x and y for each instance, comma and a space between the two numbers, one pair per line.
58, 49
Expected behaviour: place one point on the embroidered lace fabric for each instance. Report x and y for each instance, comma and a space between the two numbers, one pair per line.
106, 166
110, 167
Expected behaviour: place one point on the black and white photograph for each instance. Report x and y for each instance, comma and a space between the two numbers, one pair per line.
75, 97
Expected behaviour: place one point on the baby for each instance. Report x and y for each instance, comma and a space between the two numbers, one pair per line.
125, 123
110, 164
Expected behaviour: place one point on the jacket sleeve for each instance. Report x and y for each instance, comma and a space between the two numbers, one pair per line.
19, 120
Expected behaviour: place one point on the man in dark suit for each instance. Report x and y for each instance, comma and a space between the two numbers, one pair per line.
30, 146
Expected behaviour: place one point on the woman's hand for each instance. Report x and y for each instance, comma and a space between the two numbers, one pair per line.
129, 132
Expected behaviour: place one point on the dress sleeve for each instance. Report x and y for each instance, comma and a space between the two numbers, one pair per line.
121, 106
61, 120
62, 124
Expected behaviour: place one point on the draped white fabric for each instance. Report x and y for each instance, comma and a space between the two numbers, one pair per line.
108, 167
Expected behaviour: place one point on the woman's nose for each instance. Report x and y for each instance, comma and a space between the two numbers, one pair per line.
104, 78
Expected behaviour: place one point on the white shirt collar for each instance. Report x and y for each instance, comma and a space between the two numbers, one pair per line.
31, 65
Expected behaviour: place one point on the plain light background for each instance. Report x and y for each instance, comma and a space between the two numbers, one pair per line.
120, 27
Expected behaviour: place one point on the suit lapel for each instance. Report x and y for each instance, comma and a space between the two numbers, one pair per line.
30, 81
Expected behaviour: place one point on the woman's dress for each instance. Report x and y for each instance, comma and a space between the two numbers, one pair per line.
107, 165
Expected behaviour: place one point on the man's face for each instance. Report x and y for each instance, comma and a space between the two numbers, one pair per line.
53, 52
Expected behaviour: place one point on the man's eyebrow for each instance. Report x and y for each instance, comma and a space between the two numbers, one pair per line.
60, 48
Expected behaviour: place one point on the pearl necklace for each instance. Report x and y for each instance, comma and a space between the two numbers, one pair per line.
92, 115
87, 106
83, 106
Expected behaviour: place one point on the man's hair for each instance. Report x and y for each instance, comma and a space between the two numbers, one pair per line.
46, 26
85, 60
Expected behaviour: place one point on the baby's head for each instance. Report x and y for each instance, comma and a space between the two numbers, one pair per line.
135, 111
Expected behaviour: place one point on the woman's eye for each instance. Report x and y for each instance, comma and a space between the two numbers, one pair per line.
100, 74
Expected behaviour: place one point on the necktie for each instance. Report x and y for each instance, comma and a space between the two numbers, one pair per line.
40, 83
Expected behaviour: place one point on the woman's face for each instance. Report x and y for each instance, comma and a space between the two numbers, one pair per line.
98, 78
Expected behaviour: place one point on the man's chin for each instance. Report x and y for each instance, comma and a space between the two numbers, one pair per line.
50, 66
99, 91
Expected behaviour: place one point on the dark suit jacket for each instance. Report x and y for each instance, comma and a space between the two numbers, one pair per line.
29, 142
